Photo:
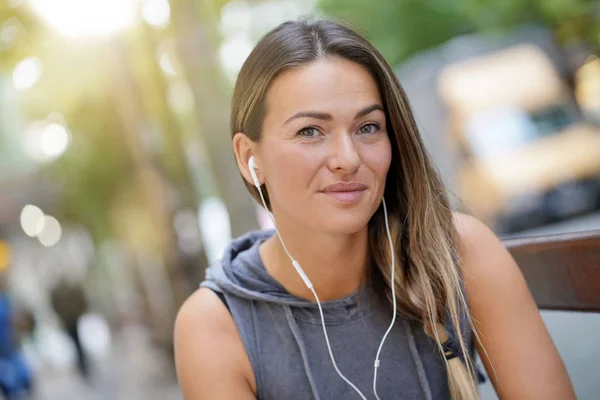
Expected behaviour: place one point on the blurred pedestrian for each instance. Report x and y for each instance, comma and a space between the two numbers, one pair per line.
15, 374
69, 302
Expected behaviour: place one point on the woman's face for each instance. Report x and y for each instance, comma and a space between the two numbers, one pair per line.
325, 152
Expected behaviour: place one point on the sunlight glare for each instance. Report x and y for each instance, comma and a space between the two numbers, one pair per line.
87, 18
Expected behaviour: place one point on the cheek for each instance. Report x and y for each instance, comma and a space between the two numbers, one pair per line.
291, 172
378, 158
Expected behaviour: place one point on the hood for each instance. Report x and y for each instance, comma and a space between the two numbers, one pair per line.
242, 273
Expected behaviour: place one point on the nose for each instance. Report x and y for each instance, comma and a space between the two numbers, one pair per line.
343, 155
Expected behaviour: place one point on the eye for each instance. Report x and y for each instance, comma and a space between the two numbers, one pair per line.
368, 129
309, 132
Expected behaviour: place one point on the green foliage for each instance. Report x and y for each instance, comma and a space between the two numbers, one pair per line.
400, 28
94, 169
26, 31
81, 80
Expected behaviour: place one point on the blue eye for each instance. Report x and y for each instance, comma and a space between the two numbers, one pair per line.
309, 132
368, 129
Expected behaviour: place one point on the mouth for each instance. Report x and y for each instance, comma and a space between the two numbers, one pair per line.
345, 192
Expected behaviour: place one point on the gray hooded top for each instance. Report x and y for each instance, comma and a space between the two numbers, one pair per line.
284, 340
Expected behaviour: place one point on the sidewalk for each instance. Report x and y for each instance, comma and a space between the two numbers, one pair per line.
132, 370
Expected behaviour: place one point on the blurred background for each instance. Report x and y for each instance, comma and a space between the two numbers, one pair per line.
117, 180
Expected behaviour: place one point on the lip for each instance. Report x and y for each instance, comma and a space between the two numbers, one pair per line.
345, 187
345, 192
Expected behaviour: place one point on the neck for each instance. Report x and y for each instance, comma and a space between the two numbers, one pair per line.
335, 263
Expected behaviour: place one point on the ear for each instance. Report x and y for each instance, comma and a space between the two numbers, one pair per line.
244, 148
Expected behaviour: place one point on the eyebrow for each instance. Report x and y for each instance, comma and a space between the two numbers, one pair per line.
328, 117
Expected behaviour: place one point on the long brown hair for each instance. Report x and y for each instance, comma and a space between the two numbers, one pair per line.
427, 278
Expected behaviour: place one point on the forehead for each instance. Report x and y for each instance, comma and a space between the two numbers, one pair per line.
330, 84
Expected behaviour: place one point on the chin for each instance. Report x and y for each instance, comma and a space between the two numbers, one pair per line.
345, 223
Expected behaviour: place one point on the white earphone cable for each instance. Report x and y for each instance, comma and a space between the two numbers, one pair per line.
273, 221
311, 288
357, 390
392, 283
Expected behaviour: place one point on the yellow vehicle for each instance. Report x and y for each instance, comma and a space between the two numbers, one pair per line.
526, 155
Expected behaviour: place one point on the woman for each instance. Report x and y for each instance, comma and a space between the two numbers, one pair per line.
324, 138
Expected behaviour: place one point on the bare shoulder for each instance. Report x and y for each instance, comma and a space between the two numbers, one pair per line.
488, 269
472, 232
481, 251
202, 312
202, 316
210, 357
515, 346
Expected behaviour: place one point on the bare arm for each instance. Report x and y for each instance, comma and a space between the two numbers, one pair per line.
210, 357
521, 360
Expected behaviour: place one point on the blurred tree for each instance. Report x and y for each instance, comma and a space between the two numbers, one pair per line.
19, 32
195, 26
65, 86
126, 152
402, 28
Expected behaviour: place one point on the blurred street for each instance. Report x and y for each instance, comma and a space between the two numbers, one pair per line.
131, 370
118, 183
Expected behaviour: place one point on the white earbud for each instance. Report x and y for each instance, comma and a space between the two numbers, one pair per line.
252, 167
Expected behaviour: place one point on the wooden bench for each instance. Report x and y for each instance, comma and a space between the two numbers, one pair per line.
562, 271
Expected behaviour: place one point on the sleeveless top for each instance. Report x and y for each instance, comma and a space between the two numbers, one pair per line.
284, 339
